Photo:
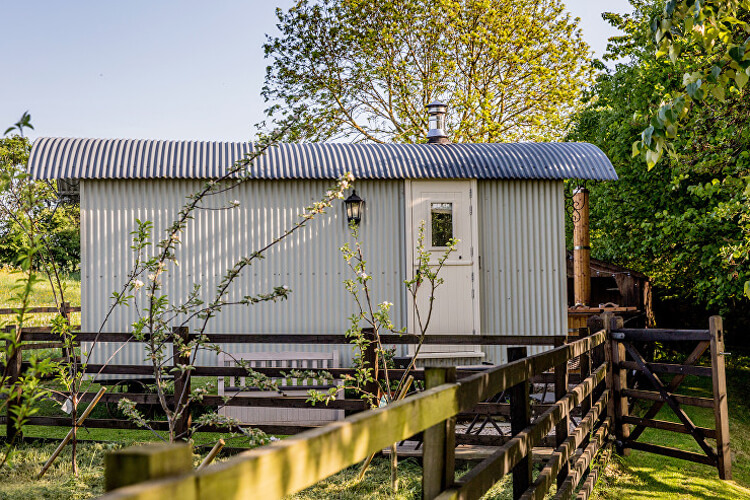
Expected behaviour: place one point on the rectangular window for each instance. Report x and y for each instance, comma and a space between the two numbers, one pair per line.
441, 215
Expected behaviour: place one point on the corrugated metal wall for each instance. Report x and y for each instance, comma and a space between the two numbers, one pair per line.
522, 269
309, 262
521, 245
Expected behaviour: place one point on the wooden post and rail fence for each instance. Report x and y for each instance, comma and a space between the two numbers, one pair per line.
13, 367
601, 399
300, 461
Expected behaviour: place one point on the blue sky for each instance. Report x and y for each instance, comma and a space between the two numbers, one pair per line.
156, 69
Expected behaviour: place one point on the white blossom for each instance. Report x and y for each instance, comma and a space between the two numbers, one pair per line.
137, 284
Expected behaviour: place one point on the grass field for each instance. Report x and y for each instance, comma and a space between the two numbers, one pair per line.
645, 475
42, 296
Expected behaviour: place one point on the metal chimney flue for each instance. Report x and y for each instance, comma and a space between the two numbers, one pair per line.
436, 120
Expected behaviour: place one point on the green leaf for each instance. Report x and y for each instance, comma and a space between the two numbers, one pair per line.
747, 289
718, 92
741, 79
737, 53
646, 135
674, 52
694, 89
652, 158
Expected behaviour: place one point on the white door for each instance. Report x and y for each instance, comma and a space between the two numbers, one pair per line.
445, 208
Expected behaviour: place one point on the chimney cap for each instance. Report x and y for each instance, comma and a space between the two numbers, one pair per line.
438, 106
436, 129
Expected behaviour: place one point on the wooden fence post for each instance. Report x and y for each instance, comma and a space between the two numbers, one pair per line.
14, 358
721, 411
608, 350
520, 418
586, 403
146, 462
438, 457
181, 382
561, 429
619, 402
67, 354
370, 358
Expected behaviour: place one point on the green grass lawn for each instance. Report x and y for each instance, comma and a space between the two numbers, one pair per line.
42, 296
645, 475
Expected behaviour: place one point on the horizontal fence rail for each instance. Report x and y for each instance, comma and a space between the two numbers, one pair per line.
249, 338
32, 310
297, 462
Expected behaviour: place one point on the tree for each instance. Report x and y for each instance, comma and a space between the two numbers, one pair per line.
713, 36
37, 200
364, 71
684, 223
28, 210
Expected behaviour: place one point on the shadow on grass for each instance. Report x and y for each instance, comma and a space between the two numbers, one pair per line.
646, 475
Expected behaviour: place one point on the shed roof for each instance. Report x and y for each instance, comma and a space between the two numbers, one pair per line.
66, 158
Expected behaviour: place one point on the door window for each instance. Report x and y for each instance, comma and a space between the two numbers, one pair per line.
441, 216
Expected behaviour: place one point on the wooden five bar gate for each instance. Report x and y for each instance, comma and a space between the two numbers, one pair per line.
626, 356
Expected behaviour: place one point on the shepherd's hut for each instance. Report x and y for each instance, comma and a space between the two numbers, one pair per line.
505, 202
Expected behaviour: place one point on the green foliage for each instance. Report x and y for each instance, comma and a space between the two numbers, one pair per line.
510, 70
29, 206
686, 224
708, 42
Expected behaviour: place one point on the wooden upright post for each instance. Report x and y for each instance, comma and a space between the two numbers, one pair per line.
581, 247
586, 403
619, 384
181, 381
520, 418
370, 358
561, 429
439, 459
146, 462
607, 320
721, 411
14, 360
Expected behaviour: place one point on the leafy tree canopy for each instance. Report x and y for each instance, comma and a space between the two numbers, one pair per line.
510, 70
24, 202
686, 223
713, 36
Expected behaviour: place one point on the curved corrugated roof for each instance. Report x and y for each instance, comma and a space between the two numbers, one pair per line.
61, 158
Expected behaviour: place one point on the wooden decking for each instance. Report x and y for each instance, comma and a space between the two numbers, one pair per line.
464, 452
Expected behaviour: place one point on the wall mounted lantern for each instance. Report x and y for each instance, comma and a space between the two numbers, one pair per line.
354, 208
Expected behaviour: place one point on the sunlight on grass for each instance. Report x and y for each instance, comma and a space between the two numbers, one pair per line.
42, 296
646, 475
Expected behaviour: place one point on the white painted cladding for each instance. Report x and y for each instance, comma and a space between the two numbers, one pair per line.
521, 246
309, 261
